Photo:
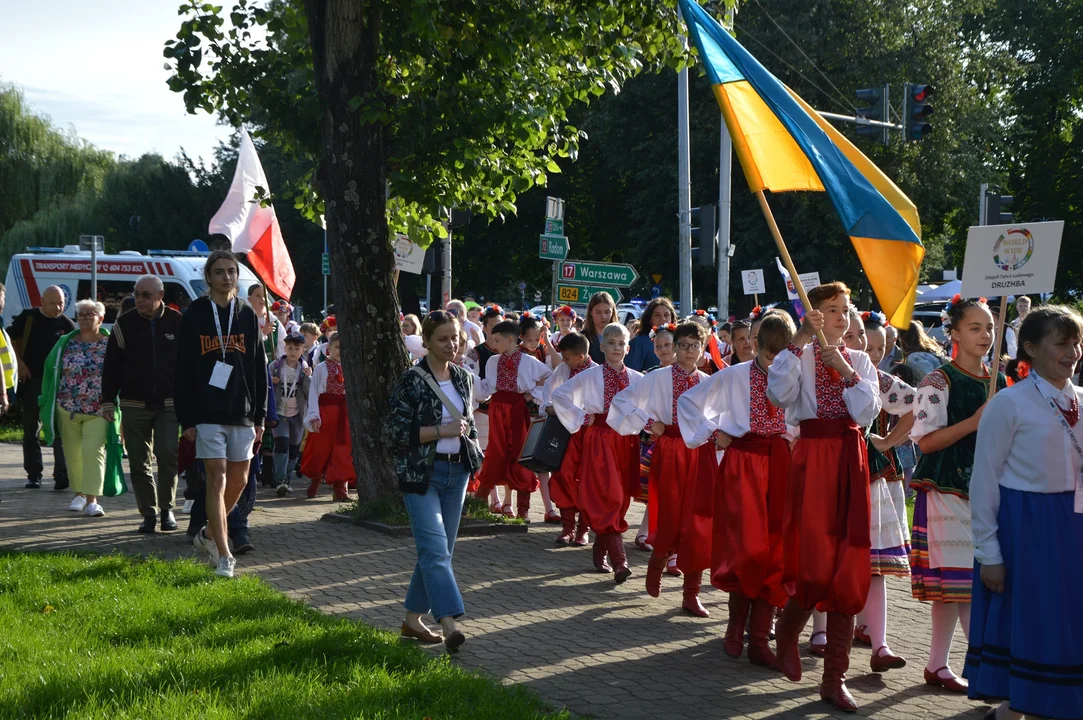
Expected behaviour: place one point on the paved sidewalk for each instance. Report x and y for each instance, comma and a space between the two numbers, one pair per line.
535, 616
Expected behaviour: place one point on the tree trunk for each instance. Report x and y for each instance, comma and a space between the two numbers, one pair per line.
351, 178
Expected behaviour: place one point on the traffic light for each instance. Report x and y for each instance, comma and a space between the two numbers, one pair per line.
877, 109
917, 112
704, 229
995, 206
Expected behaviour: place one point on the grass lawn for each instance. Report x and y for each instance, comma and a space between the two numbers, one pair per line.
119, 637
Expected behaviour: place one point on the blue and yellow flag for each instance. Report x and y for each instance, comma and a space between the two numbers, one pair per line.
784, 145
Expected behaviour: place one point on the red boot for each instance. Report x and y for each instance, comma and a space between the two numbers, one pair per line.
734, 643
341, 494
655, 567
313, 488
600, 549
567, 532
759, 629
691, 604
582, 530
621, 572
522, 505
840, 637
787, 633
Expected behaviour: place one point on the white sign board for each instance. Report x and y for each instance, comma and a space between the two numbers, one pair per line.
408, 257
753, 282
1018, 259
809, 280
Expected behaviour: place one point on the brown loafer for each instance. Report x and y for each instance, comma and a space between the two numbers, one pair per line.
425, 637
954, 683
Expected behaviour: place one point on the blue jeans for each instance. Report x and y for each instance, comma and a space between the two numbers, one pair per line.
434, 519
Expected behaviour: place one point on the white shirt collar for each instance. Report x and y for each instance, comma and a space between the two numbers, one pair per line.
1048, 390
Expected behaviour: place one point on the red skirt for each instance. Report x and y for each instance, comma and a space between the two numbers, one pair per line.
826, 527
608, 476
564, 483
671, 490
750, 500
694, 552
509, 422
329, 452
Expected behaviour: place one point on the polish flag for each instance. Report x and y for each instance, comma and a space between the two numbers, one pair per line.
252, 228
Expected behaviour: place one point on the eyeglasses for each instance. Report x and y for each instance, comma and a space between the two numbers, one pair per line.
87, 316
689, 346
144, 295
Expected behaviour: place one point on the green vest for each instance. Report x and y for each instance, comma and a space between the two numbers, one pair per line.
879, 463
948, 470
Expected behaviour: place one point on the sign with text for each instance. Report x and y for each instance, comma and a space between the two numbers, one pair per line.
554, 226
408, 256
597, 273
580, 294
753, 282
1018, 259
326, 264
809, 280
553, 247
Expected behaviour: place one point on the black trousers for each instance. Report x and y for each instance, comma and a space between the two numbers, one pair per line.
32, 463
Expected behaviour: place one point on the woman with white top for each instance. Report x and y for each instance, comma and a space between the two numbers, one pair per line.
1026, 499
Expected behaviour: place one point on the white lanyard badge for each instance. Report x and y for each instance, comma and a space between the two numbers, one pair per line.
222, 370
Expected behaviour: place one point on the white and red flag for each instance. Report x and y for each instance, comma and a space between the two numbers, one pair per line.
252, 228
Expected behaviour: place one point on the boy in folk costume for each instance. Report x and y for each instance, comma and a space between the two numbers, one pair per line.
477, 360
731, 412
832, 393
328, 451
675, 469
290, 381
889, 529
564, 483
510, 378
609, 472
534, 341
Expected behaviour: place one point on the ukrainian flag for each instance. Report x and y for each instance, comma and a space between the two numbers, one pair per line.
784, 145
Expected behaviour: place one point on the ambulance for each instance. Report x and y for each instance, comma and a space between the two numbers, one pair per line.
68, 268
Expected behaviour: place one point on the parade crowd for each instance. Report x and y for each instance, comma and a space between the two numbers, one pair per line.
776, 460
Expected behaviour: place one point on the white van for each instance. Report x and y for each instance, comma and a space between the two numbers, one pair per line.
31, 272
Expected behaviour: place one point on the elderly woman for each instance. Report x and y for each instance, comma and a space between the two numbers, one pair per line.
70, 403
432, 431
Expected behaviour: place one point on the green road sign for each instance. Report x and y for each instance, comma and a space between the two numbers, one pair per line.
326, 264
554, 226
580, 294
553, 247
597, 273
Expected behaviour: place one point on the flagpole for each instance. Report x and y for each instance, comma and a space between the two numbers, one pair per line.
786, 260
994, 359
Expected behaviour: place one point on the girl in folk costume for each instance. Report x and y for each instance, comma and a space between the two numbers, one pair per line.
658, 313
888, 523
477, 359
1026, 635
283, 311
534, 341
328, 455
564, 483
609, 472
731, 412
565, 318
832, 393
676, 522
510, 378
662, 337
950, 404
712, 360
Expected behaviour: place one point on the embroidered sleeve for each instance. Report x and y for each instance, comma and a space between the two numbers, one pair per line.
931, 405
795, 350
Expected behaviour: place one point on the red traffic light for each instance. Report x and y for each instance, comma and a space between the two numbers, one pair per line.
920, 93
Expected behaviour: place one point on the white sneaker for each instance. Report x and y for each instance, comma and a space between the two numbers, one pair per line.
225, 567
207, 545
78, 504
188, 505
94, 510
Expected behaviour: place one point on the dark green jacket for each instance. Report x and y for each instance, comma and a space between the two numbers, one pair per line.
413, 406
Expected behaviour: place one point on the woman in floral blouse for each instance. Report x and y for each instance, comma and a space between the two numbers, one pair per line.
71, 405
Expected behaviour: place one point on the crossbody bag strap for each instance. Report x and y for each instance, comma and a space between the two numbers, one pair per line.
435, 387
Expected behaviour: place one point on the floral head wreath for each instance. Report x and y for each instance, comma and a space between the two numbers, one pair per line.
526, 314
330, 323
955, 300
708, 316
281, 306
878, 318
657, 329
491, 310
756, 314
565, 311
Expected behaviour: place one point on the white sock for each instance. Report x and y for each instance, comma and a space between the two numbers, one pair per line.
876, 613
944, 616
819, 628
964, 619
543, 480
644, 524
494, 496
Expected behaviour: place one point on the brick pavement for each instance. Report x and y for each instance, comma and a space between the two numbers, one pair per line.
535, 617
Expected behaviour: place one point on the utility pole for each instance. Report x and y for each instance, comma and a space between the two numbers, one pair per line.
684, 191
725, 168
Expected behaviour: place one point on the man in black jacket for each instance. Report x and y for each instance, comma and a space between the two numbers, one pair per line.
221, 396
140, 362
